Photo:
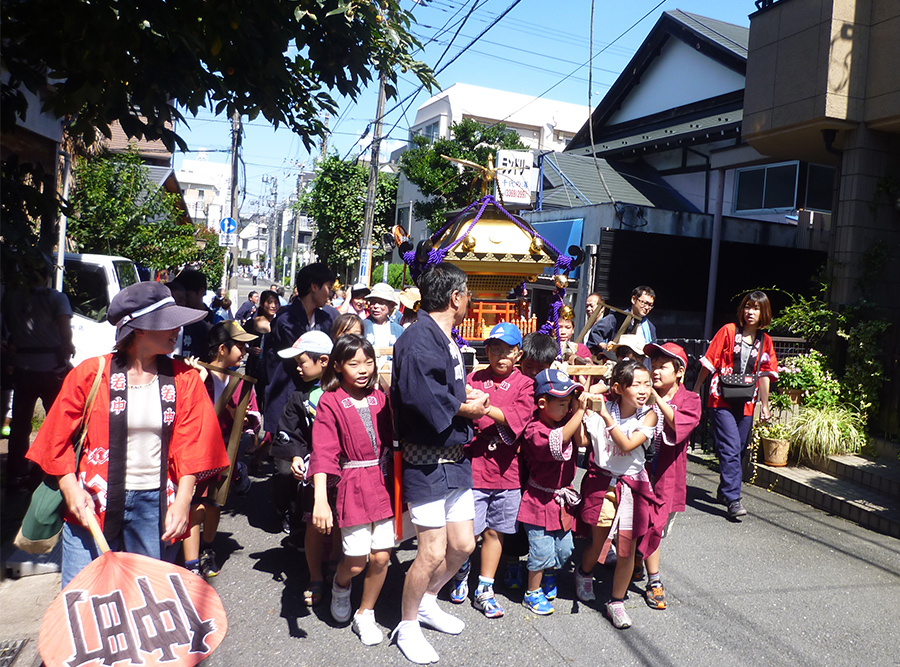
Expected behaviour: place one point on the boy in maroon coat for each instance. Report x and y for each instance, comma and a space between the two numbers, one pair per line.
495, 462
680, 409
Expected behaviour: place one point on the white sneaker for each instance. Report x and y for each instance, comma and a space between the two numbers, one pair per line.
341, 609
615, 610
584, 586
412, 642
364, 625
438, 619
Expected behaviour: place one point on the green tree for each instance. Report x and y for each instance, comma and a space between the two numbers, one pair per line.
141, 62
336, 202
211, 258
118, 210
439, 179
147, 64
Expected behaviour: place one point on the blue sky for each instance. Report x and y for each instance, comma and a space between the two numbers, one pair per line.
536, 46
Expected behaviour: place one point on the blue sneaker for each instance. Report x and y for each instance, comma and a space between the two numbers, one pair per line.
513, 579
486, 603
537, 602
548, 584
460, 591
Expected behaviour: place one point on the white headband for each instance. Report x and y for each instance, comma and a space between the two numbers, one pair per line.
143, 311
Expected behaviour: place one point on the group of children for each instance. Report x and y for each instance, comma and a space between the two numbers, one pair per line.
524, 458
332, 449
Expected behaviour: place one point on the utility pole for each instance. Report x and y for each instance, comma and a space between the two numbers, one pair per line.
229, 279
295, 219
324, 152
365, 247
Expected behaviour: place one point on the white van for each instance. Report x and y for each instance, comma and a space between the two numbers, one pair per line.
90, 282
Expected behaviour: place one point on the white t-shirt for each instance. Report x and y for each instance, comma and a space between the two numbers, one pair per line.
382, 335
607, 456
144, 437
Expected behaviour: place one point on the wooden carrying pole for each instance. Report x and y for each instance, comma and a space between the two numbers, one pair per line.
221, 486
629, 317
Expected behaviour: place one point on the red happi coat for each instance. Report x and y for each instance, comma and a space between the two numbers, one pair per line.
339, 436
196, 446
669, 467
552, 464
494, 449
720, 357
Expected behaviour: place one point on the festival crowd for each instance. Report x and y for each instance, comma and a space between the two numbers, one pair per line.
325, 384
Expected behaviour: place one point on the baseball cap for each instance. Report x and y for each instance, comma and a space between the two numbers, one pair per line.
236, 332
358, 290
669, 349
631, 341
555, 383
317, 342
506, 332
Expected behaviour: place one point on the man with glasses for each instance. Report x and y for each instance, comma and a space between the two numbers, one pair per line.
433, 420
643, 298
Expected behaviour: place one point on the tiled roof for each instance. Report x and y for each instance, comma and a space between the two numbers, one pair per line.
727, 35
628, 184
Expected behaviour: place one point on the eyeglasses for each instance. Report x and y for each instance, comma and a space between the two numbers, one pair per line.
646, 304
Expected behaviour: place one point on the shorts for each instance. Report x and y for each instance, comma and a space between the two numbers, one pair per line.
308, 501
608, 510
497, 509
456, 507
364, 538
547, 549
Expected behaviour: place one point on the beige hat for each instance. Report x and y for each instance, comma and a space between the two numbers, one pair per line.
632, 341
410, 297
383, 291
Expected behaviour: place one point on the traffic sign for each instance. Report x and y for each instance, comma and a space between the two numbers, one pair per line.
228, 226
227, 240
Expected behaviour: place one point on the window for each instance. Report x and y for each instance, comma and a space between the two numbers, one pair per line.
770, 187
819, 188
86, 287
432, 132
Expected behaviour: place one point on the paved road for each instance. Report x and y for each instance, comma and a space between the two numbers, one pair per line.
788, 586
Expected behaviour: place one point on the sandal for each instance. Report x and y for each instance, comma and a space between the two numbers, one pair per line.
313, 593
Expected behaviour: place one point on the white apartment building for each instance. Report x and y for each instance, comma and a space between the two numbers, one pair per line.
207, 189
542, 124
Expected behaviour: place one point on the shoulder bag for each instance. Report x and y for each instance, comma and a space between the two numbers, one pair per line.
43, 521
739, 388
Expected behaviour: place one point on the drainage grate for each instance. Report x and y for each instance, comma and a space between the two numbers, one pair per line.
9, 650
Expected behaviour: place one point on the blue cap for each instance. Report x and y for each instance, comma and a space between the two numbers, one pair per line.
507, 332
555, 383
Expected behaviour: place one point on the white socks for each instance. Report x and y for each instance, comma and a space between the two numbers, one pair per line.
412, 642
434, 617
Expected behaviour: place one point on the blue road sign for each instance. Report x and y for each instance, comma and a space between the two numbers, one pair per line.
228, 226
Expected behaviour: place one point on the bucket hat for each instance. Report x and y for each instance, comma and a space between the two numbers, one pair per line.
148, 306
384, 292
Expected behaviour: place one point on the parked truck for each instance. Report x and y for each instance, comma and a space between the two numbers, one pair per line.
91, 282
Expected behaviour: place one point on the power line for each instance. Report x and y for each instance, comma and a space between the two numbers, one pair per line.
450, 62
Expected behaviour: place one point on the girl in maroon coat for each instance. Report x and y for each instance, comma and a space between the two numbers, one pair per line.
352, 432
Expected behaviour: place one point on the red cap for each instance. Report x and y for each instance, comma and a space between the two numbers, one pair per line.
669, 349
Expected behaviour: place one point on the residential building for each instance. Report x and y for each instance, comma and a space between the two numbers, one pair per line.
207, 190
542, 124
680, 185
823, 85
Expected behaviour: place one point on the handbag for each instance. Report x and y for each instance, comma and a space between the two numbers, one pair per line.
43, 521
739, 387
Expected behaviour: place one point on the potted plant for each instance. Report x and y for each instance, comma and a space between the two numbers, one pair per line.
776, 443
807, 380
821, 432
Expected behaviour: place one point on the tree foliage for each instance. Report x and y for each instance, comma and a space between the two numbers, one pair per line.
118, 210
141, 62
336, 202
439, 179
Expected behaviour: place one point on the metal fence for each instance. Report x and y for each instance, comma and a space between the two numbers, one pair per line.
696, 348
